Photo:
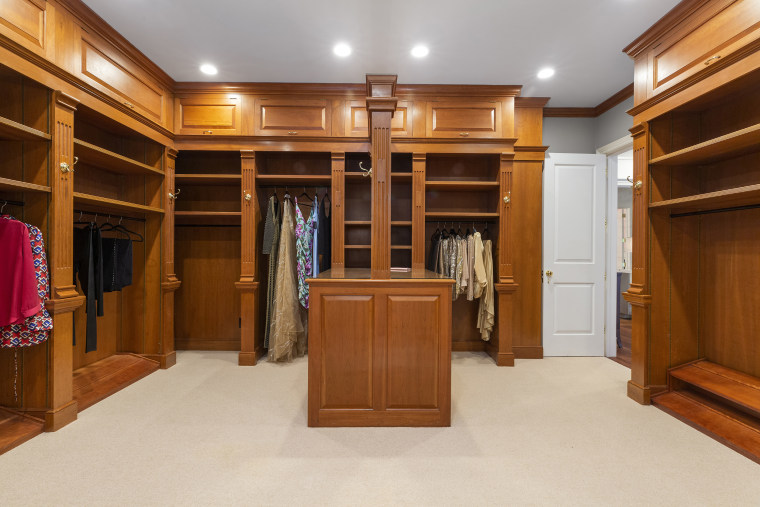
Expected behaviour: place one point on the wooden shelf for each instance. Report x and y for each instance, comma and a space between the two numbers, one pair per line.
22, 186
357, 247
357, 176
103, 159
106, 205
723, 147
208, 217
401, 223
463, 185
208, 179
454, 215
401, 176
357, 222
294, 179
401, 247
14, 131
741, 196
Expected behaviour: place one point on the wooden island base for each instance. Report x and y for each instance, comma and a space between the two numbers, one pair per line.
379, 350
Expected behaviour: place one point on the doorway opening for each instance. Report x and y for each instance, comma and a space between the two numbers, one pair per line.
623, 252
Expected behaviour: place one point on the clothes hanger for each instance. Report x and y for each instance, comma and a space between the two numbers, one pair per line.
486, 234
3, 207
304, 194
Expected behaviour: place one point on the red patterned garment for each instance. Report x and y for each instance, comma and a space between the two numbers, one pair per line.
34, 329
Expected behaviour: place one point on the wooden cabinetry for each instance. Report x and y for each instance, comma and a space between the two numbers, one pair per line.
695, 228
379, 351
26, 22
292, 117
464, 119
357, 119
106, 69
209, 115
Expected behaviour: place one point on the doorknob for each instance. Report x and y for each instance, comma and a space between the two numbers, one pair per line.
549, 272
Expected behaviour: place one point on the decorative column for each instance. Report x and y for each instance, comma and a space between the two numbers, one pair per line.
338, 213
381, 104
64, 300
418, 213
250, 348
167, 356
638, 293
506, 286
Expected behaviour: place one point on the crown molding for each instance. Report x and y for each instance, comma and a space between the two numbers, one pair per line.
531, 101
590, 112
674, 17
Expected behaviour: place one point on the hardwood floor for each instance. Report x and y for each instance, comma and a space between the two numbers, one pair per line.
100, 380
624, 353
16, 428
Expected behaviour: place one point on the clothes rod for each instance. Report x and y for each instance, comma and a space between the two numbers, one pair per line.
206, 225
106, 215
711, 211
11, 203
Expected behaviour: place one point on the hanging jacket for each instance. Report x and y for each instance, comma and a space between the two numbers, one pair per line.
19, 298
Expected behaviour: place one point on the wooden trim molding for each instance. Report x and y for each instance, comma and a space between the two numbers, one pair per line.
531, 101
589, 112
675, 16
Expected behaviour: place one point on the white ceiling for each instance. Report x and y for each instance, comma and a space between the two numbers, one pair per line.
471, 42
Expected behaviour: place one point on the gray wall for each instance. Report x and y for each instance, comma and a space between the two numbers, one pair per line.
586, 135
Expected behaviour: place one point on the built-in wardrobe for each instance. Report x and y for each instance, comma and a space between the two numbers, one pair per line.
462, 158
696, 198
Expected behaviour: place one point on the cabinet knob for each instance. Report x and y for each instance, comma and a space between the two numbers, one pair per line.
712, 59
292, 133
508, 198
129, 105
464, 134
207, 132
247, 196
638, 185
64, 166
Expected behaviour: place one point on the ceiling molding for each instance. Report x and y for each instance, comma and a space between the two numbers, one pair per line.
92, 22
590, 112
675, 16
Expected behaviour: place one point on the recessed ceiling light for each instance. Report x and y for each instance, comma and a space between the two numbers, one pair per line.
545, 73
209, 69
342, 49
420, 51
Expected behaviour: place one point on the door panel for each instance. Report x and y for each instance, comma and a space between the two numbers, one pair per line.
412, 378
209, 115
464, 119
23, 21
574, 260
357, 121
347, 330
293, 117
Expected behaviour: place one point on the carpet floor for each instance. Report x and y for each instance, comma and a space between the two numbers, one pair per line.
558, 431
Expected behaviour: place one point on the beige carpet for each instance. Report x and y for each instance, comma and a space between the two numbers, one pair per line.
206, 432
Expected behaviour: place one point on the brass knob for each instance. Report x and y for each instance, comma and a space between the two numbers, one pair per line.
65, 167
508, 198
712, 59
247, 196
292, 133
638, 185
549, 272
129, 105
205, 132
174, 195
464, 134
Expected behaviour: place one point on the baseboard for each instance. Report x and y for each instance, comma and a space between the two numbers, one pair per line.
164, 360
478, 346
231, 345
522, 352
251, 358
60, 417
639, 394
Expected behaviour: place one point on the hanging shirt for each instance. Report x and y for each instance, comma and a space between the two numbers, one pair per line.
35, 329
117, 264
480, 269
271, 247
19, 298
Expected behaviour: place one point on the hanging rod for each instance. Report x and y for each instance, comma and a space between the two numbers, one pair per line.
446, 221
207, 225
105, 215
711, 211
11, 203
290, 186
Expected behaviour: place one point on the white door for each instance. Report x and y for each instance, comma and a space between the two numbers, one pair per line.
573, 292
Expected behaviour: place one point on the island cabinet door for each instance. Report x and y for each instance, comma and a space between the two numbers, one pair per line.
379, 356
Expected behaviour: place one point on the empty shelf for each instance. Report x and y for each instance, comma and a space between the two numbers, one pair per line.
208, 179
14, 131
734, 197
22, 186
463, 185
720, 148
104, 159
106, 205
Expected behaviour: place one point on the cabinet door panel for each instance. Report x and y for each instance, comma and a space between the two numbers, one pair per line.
464, 119
347, 330
357, 120
413, 364
209, 115
685, 52
293, 117
23, 21
123, 82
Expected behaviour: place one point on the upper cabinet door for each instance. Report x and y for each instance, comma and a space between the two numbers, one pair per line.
464, 119
292, 117
357, 121
121, 79
715, 34
25, 22
209, 115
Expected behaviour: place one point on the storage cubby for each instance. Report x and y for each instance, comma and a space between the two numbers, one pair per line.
209, 188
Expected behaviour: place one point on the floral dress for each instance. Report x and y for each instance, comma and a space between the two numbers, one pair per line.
304, 243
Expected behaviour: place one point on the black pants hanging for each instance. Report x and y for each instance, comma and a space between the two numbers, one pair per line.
88, 264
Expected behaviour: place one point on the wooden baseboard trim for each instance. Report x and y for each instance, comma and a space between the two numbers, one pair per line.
251, 358
528, 352
164, 360
478, 346
232, 345
61, 416
505, 359
639, 394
